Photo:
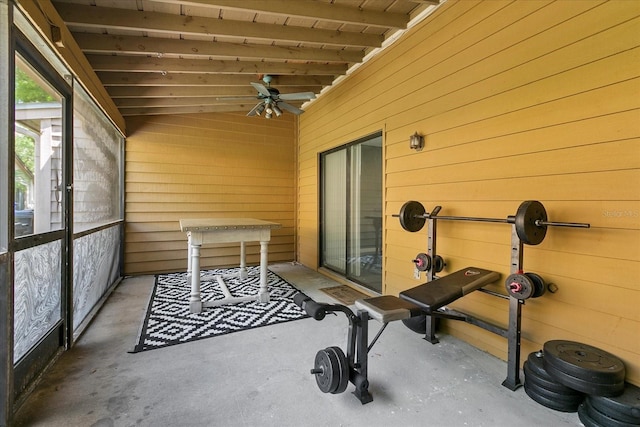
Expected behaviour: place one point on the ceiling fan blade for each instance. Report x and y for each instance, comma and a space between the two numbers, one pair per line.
298, 96
289, 107
261, 89
254, 110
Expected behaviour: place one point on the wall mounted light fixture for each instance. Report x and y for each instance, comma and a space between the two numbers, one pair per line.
56, 35
416, 142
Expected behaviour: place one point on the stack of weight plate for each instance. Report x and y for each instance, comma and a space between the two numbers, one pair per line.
544, 389
584, 368
587, 370
617, 411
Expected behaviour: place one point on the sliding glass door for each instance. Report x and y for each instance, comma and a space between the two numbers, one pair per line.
42, 112
351, 211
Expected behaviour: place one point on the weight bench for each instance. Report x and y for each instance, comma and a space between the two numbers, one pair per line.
334, 369
427, 298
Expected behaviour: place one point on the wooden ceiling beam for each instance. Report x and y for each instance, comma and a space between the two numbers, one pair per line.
187, 101
169, 65
76, 15
179, 79
307, 9
154, 111
104, 43
196, 91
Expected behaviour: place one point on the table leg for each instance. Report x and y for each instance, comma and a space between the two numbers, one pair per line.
263, 293
188, 257
243, 262
195, 303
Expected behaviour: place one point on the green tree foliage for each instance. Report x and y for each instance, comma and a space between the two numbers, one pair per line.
25, 151
27, 90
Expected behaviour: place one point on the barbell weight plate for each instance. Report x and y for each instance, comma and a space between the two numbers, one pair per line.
549, 402
343, 365
535, 366
438, 264
519, 286
422, 262
526, 221
584, 386
585, 418
412, 216
327, 371
584, 362
573, 399
625, 407
418, 324
543, 383
605, 419
539, 285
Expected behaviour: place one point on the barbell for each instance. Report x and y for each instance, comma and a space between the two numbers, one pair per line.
530, 220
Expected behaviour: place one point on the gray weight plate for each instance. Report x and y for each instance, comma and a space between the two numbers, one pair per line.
583, 361
625, 407
550, 403
604, 419
584, 386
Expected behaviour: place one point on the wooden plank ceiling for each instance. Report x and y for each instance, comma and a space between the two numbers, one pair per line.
188, 56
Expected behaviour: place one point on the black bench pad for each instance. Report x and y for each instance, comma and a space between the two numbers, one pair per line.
432, 295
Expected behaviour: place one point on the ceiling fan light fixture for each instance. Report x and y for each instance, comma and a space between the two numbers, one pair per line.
277, 110
259, 110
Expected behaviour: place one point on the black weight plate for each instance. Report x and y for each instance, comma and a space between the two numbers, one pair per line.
625, 407
585, 418
587, 387
604, 419
539, 286
519, 286
574, 398
412, 216
583, 361
550, 385
550, 403
328, 378
422, 262
438, 264
535, 363
528, 213
418, 324
343, 363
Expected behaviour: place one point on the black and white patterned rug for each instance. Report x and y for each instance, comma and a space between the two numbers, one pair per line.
169, 322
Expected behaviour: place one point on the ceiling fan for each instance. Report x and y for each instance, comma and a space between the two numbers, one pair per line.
273, 102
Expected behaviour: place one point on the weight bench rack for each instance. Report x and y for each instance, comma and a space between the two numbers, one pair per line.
333, 369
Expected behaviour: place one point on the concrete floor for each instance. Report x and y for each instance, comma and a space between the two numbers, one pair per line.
261, 377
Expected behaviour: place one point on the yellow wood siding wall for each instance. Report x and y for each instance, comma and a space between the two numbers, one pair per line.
206, 165
523, 100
